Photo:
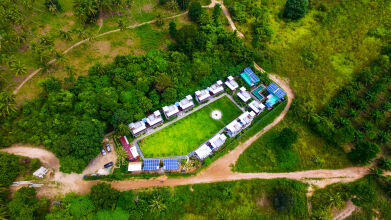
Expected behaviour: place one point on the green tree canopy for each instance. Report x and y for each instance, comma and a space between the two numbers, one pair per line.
103, 196
295, 9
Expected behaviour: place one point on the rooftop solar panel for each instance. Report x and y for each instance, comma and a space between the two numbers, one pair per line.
252, 75
172, 164
151, 165
274, 89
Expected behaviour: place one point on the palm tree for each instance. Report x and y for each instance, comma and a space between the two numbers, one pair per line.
52, 8
7, 104
61, 58
157, 204
173, 5
18, 68
121, 156
65, 35
123, 130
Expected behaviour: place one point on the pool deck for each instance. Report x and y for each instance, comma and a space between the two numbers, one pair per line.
255, 92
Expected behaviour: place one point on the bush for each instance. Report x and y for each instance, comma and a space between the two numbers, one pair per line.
103, 196
384, 163
287, 137
53, 6
295, 9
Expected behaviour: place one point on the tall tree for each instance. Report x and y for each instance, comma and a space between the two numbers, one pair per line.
195, 11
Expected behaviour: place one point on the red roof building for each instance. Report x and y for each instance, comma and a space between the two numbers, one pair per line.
133, 155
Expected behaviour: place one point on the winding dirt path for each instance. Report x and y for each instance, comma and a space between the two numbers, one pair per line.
100, 23
35, 72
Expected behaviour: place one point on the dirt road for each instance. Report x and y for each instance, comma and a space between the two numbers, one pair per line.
220, 170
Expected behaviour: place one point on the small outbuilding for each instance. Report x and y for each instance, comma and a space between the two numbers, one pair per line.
217, 141
137, 128
135, 167
154, 119
216, 88
41, 172
203, 152
170, 111
243, 94
256, 106
233, 128
186, 103
202, 95
231, 83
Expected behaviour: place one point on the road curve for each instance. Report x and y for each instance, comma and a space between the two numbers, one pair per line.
220, 170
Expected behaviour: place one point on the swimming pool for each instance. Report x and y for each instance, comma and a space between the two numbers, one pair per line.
272, 101
258, 92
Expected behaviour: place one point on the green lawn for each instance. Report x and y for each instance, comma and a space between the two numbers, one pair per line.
188, 133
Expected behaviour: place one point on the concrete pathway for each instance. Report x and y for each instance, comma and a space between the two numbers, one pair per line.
179, 117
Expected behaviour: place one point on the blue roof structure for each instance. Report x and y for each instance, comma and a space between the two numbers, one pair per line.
253, 76
150, 165
249, 77
277, 91
172, 164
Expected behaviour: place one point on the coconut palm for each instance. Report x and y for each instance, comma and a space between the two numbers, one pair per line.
53, 8
65, 35
157, 204
7, 104
123, 130
18, 68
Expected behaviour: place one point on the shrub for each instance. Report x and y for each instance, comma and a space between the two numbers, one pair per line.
287, 137
295, 9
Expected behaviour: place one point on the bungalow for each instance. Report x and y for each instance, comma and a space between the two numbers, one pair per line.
186, 103
246, 118
203, 152
231, 83
135, 167
170, 111
202, 95
216, 88
137, 127
256, 106
131, 151
244, 95
155, 119
233, 128
217, 141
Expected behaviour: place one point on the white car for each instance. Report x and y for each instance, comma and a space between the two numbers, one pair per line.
103, 152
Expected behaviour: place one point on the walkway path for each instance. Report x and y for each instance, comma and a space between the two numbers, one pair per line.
211, 5
179, 117
82, 42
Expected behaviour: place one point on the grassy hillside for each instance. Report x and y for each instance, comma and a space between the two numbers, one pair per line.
319, 54
322, 51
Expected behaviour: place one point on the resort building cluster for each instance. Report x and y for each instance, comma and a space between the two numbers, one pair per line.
258, 100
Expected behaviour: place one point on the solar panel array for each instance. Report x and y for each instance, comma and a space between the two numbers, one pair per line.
150, 165
252, 75
273, 88
172, 164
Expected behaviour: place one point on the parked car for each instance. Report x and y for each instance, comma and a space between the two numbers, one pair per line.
108, 148
107, 165
103, 152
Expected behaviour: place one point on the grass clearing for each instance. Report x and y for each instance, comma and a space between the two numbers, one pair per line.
310, 152
187, 134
